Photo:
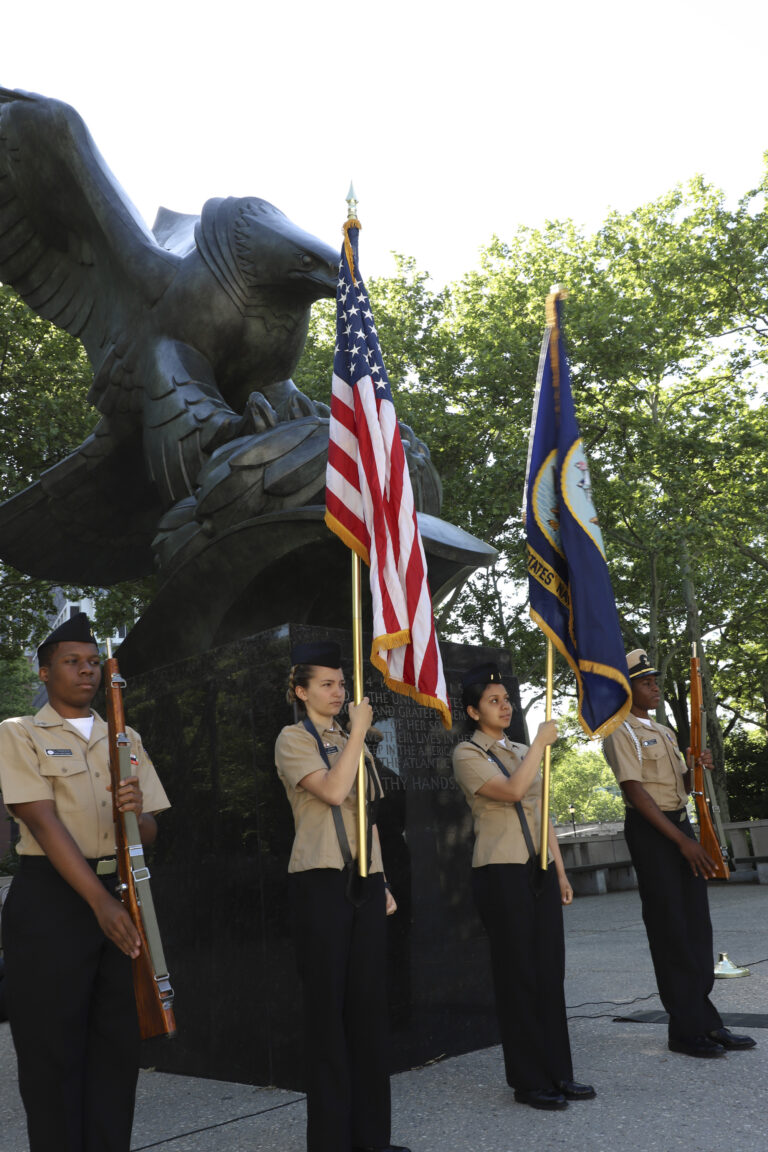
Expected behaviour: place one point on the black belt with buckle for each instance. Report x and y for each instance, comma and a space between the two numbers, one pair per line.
676, 815
105, 866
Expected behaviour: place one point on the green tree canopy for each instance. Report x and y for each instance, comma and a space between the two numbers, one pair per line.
747, 775
18, 685
583, 779
44, 415
668, 342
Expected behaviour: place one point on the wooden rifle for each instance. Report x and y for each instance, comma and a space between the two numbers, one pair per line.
712, 841
151, 983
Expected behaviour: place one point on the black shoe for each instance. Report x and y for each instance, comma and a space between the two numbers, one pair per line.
548, 1098
389, 1148
574, 1091
697, 1046
727, 1039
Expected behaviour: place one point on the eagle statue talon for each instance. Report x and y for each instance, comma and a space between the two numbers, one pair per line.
259, 415
291, 404
301, 405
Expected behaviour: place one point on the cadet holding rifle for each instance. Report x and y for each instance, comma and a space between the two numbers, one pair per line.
672, 868
68, 940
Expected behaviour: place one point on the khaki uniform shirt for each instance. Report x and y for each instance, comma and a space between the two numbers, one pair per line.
316, 844
648, 754
498, 833
43, 757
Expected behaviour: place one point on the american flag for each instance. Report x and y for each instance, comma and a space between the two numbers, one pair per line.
369, 500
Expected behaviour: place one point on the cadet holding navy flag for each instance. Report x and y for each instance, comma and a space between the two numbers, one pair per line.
519, 904
672, 868
68, 940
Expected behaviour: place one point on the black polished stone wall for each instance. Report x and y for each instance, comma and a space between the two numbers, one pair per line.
219, 869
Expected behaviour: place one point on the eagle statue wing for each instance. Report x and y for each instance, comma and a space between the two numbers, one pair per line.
71, 243
190, 329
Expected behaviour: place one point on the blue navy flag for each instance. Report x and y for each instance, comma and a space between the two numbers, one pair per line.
569, 583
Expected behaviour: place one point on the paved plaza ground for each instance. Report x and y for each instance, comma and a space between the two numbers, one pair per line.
649, 1099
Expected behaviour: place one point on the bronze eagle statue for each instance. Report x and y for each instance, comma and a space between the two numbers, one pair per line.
207, 464
192, 330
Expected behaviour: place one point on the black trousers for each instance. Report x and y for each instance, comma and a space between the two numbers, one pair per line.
676, 917
341, 953
72, 1012
525, 933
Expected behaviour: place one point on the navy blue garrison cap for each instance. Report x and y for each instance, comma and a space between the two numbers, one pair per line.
77, 628
481, 674
325, 653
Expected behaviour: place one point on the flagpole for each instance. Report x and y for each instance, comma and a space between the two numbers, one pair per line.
547, 762
357, 662
357, 665
571, 598
556, 293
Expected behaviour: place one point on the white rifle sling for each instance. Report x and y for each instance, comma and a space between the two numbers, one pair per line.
140, 871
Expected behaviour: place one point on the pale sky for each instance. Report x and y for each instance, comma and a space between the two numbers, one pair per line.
454, 121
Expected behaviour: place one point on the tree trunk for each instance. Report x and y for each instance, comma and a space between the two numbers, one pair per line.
653, 636
678, 702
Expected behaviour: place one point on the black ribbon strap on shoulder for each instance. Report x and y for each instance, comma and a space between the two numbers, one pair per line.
532, 854
338, 819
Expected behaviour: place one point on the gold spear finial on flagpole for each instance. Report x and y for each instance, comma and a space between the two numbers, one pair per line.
351, 202
351, 222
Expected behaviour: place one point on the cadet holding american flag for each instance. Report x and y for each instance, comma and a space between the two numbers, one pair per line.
339, 893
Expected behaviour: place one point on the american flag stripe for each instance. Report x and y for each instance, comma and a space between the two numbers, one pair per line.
369, 500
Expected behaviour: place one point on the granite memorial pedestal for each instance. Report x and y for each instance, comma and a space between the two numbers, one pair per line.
220, 863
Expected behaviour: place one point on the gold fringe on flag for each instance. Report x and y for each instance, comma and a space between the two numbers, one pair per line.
353, 223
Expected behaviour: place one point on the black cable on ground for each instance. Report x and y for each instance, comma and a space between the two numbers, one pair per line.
299, 1099
221, 1124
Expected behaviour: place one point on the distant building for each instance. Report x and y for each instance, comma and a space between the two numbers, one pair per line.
67, 608
64, 610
